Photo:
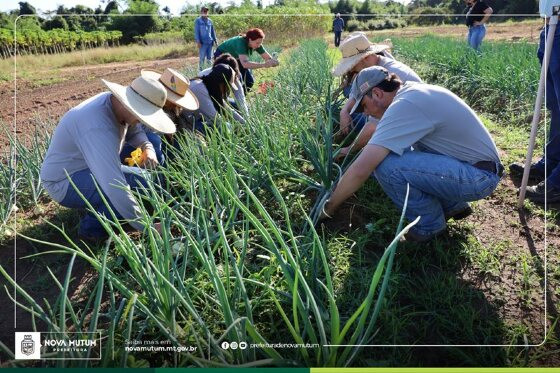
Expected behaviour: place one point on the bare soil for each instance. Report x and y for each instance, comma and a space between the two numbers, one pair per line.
76, 84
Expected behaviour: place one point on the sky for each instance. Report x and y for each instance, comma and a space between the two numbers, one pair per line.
46, 5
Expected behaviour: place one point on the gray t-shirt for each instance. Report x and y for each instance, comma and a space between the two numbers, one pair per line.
434, 119
88, 136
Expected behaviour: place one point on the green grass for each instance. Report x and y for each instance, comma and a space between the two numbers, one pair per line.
27, 65
500, 81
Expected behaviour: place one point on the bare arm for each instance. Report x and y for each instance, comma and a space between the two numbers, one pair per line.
361, 141
356, 175
244, 59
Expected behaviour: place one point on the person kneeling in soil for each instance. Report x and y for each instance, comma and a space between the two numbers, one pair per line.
180, 106
85, 149
454, 160
242, 47
212, 91
239, 102
357, 54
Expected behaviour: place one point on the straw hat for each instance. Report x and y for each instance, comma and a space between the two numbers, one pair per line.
177, 86
354, 48
144, 98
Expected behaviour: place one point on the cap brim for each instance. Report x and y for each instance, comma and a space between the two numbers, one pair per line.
147, 113
357, 108
233, 85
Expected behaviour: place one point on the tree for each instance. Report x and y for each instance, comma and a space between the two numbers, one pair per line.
112, 7
26, 8
133, 26
56, 22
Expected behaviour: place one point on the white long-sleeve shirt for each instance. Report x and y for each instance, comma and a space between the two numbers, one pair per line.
88, 136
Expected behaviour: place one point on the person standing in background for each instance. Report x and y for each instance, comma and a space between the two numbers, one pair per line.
338, 26
478, 15
548, 178
205, 37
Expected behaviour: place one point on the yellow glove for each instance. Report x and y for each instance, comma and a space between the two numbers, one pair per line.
137, 158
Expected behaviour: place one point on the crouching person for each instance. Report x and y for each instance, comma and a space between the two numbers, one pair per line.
86, 145
428, 138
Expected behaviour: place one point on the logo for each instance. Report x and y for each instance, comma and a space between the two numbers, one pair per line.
243, 345
28, 346
364, 87
225, 345
234, 345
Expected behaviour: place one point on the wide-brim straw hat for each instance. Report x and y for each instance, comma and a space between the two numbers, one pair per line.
178, 91
354, 48
144, 98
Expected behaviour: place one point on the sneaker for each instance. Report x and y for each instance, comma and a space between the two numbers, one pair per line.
412, 236
93, 240
537, 193
458, 215
536, 173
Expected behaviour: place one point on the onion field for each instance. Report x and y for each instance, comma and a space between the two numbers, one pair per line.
240, 258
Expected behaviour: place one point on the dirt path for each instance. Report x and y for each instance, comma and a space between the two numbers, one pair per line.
78, 83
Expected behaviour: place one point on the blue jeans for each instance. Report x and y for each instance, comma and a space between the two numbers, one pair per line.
439, 185
552, 91
475, 36
358, 119
204, 55
337, 35
155, 139
89, 225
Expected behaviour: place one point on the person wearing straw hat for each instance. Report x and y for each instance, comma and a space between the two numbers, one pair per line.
179, 98
359, 53
546, 172
84, 152
338, 27
454, 159
212, 91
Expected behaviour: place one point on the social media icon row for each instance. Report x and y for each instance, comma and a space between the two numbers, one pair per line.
234, 345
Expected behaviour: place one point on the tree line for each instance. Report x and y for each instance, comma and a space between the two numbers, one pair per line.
116, 22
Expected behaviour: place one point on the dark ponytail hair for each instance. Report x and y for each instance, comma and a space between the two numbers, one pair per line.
391, 83
218, 84
227, 59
